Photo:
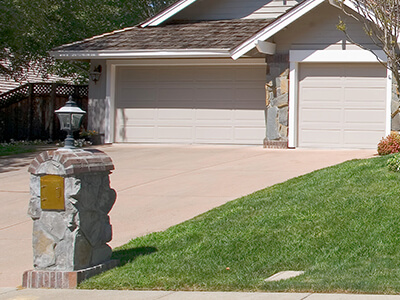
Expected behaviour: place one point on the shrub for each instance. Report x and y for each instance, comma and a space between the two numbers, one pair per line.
389, 144
393, 163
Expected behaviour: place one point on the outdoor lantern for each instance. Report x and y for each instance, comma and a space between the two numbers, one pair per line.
70, 116
95, 74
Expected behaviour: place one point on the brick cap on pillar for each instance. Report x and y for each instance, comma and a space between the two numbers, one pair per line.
73, 161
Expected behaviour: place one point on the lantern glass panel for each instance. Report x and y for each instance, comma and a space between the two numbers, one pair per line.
65, 121
76, 120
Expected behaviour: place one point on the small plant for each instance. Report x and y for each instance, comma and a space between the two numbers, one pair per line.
393, 163
389, 144
79, 143
87, 133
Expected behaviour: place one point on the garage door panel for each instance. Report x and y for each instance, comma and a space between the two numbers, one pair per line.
366, 82
175, 133
178, 115
170, 75
249, 117
139, 95
371, 119
172, 94
330, 95
367, 96
248, 134
321, 71
214, 116
365, 71
250, 74
214, 134
252, 93
191, 104
127, 75
132, 116
324, 137
207, 95
140, 133
360, 138
310, 115
218, 74
350, 113
250, 104
218, 105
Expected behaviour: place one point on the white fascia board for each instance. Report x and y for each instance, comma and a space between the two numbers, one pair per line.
348, 3
193, 53
189, 62
167, 13
275, 27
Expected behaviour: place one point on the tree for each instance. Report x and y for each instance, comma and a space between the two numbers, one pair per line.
31, 28
381, 22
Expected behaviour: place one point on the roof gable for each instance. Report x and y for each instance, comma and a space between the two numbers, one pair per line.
207, 10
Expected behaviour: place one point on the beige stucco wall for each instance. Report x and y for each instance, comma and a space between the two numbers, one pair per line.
317, 31
234, 9
98, 104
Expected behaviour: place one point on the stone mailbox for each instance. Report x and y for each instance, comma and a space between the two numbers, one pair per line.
70, 201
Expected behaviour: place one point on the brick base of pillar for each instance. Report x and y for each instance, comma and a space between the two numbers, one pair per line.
275, 144
63, 279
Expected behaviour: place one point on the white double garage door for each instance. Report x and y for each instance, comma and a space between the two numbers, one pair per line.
339, 105
191, 104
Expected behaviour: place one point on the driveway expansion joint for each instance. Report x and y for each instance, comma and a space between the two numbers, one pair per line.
309, 295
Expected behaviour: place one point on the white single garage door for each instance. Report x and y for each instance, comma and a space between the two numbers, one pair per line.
190, 104
341, 105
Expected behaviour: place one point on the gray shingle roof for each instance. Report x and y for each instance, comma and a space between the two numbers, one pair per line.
222, 34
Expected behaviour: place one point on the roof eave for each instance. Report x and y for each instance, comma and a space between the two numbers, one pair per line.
141, 54
276, 26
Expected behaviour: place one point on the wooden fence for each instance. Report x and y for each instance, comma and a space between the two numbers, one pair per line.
27, 112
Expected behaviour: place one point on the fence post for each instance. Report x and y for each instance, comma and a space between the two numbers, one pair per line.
51, 107
30, 111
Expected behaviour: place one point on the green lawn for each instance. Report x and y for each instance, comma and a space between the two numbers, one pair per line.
16, 148
341, 225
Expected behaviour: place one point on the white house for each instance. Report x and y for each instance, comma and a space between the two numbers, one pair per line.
276, 72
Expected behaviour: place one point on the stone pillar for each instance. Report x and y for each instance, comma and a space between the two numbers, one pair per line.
277, 101
70, 238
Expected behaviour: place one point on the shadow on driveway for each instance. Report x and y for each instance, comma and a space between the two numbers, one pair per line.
16, 162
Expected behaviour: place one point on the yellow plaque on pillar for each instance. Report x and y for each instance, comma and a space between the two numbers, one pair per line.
52, 192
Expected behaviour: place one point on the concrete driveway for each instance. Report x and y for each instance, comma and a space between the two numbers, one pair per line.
157, 186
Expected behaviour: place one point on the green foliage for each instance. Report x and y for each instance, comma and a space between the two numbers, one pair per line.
393, 163
339, 225
389, 144
31, 28
341, 26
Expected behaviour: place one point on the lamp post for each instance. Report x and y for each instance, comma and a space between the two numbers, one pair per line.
70, 116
